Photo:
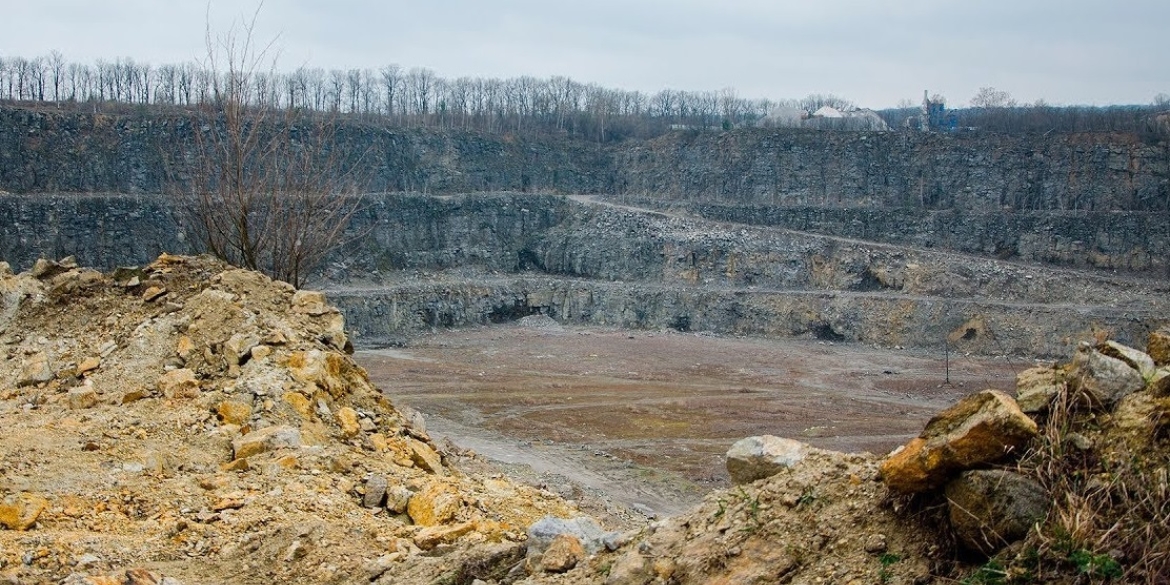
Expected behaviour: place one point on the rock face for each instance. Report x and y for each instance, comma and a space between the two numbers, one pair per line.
980, 429
991, 508
755, 458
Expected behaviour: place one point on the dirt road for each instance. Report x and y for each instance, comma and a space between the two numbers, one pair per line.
646, 417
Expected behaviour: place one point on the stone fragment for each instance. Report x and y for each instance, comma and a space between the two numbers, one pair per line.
260, 352
153, 293
44, 268
1134, 358
1158, 346
89, 364
424, 456
991, 508
234, 412
310, 302
320, 368
875, 544
979, 429
763, 456
1036, 388
1101, 379
38, 369
562, 554
398, 498
375, 491
21, 511
238, 349
299, 403
631, 568
82, 398
585, 529
179, 384
433, 536
437, 503
135, 395
347, 420
266, 439
236, 465
184, 347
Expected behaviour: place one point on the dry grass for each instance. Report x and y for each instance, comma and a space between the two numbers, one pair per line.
1110, 520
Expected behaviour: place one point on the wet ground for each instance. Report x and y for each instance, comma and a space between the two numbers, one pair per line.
646, 417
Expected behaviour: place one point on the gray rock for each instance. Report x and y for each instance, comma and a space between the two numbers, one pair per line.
37, 370
1102, 379
375, 491
1036, 388
755, 458
1136, 359
992, 508
584, 528
398, 498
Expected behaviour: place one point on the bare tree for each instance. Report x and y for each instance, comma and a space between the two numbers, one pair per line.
989, 97
261, 186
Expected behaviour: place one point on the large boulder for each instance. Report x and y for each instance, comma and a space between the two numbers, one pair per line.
980, 429
1101, 379
1036, 388
763, 456
1134, 358
543, 532
991, 508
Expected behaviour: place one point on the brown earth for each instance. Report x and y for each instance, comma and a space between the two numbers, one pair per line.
646, 417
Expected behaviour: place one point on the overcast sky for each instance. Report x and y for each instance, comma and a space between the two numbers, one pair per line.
873, 52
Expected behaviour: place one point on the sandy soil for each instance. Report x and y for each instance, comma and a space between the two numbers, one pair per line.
645, 418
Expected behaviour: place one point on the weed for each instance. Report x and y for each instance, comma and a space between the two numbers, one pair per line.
1096, 565
808, 496
991, 573
887, 560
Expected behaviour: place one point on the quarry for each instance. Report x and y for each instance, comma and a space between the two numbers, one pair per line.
762, 355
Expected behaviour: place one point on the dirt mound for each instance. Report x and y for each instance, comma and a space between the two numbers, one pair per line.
205, 423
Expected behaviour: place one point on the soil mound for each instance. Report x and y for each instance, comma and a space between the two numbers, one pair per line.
205, 424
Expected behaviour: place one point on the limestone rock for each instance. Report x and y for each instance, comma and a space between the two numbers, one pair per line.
38, 369
432, 536
1036, 388
764, 456
979, 429
153, 293
82, 398
238, 348
320, 368
89, 364
180, 383
437, 503
1136, 359
20, 512
1101, 379
299, 403
266, 439
234, 412
347, 420
992, 508
424, 456
398, 498
375, 491
585, 529
563, 553
1158, 346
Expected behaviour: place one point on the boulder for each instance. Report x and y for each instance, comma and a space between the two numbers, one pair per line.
433, 536
562, 554
375, 491
1036, 388
1136, 359
20, 512
991, 508
38, 369
980, 429
347, 421
1101, 379
82, 398
585, 529
424, 456
234, 412
180, 383
265, 440
437, 503
1158, 346
763, 456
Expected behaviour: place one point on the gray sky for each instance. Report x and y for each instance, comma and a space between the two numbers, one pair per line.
874, 53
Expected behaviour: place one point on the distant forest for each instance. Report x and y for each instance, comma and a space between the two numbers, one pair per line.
558, 106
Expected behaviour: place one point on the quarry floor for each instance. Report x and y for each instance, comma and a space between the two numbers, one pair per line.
644, 418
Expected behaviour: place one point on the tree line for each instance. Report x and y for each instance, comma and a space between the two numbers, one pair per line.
401, 96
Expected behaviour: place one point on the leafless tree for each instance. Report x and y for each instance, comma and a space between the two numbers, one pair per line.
258, 184
989, 97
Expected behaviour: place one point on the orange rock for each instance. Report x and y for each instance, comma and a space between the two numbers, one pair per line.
979, 429
21, 512
438, 503
347, 420
234, 412
179, 384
